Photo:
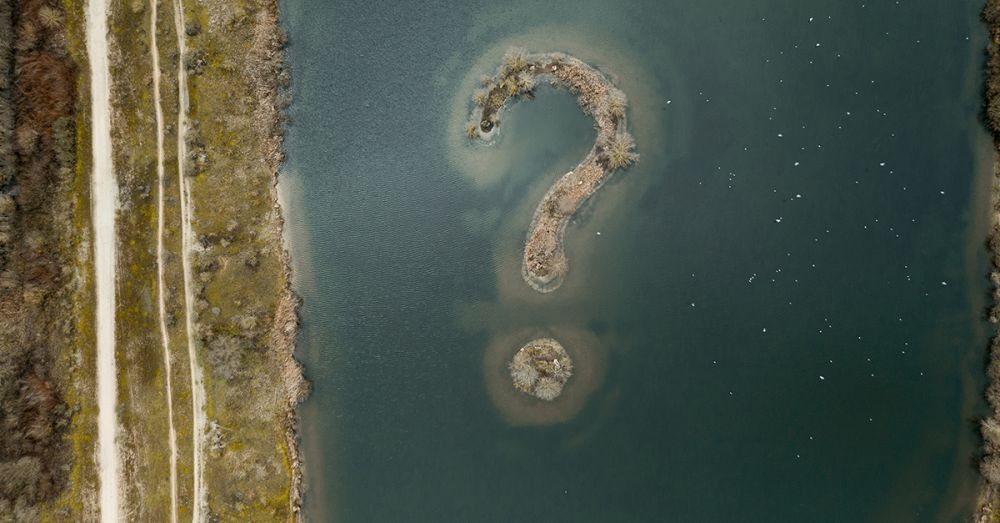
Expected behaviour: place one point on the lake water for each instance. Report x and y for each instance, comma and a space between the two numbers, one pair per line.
780, 320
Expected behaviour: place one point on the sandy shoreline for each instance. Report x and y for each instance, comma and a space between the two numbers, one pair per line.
285, 328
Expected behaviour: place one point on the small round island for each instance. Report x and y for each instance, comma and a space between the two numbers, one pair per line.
589, 365
541, 368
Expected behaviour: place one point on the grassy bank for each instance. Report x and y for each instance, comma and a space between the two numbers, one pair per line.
246, 318
244, 323
143, 440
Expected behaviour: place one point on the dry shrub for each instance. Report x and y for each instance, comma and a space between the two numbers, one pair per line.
44, 89
27, 36
620, 151
991, 12
25, 139
49, 17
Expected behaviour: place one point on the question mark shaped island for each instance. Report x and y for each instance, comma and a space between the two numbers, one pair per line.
542, 366
544, 263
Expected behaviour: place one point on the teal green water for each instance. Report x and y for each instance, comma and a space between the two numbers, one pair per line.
787, 292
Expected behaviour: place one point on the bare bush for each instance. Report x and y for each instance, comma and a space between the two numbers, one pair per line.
37, 87
990, 469
26, 138
225, 356
548, 389
523, 374
991, 11
50, 17
27, 36
20, 477
514, 61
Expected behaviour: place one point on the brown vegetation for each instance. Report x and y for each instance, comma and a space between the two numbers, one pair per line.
619, 152
541, 368
37, 156
991, 15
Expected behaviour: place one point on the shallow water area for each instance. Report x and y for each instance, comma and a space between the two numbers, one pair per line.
777, 313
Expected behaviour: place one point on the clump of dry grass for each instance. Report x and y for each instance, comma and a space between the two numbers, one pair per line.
991, 15
990, 469
515, 60
548, 389
525, 82
620, 151
616, 104
480, 97
523, 374
49, 17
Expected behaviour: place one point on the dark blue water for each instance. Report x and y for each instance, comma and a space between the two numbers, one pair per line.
788, 290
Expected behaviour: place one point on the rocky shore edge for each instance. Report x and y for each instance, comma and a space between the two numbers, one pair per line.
285, 329
988, 502
283, 337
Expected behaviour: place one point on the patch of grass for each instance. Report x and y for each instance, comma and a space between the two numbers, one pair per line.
142, 398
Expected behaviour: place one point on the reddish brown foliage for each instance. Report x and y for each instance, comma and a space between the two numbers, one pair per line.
44, 89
